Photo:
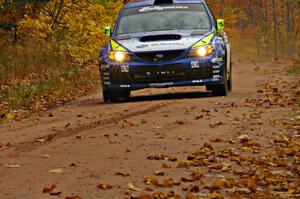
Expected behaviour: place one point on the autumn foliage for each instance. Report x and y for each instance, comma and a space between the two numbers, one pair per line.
51, 49
264, 28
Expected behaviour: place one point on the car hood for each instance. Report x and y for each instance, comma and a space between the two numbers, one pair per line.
137, 43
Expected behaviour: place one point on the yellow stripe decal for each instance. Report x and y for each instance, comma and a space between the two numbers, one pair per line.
116, 47
204, 41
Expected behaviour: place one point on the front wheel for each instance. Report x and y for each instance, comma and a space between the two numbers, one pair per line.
219, 89
115, 95
229, 81
223, 88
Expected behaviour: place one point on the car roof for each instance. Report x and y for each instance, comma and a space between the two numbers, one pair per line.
151, 2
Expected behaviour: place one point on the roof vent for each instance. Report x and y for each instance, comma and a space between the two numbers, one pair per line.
157, 2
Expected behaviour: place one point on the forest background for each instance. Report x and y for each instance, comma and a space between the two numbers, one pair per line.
49, 48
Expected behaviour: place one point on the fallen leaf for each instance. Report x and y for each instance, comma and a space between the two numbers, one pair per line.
247, 149
151, 180
187, 179
192, 196
214, 125
165, 166
122, 174
13, 166
159, 173
169, 158
179, 122
49, 189
216, 139
127, 123
196, 175
220, 182
73, 197
104, 186
215, 195
131, 187
55, 192
50, 137
58, 170
168, 183
195, 189
185, 164
45, 156
244, 138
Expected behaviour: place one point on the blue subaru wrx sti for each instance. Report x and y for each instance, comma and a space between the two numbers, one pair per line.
165, 43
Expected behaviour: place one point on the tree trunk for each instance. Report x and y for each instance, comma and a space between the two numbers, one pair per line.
275, 29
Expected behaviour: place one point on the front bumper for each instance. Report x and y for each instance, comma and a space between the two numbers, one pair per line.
183, 72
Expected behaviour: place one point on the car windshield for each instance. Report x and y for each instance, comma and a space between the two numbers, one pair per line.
163, 17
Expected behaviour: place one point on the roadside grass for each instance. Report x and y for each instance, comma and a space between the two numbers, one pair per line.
298, 101
35, 76
294, 69
58, 89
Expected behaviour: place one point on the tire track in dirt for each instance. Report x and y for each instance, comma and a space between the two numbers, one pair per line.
105, 123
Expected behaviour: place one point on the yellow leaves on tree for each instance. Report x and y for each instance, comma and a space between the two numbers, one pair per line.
35, 27
77, 26
83, 35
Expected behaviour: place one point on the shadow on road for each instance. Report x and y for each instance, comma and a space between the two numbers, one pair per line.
168, 96
96, 101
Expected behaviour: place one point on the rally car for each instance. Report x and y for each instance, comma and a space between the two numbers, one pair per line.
165, 43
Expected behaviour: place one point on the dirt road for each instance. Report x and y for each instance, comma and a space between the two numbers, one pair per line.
88, 143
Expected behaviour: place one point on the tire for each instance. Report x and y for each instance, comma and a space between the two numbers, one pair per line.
115, 95
220, 89
229, 81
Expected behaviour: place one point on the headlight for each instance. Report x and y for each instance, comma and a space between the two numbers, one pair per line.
118, 56
202, 51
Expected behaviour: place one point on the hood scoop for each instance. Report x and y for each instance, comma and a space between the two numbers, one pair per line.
160, 37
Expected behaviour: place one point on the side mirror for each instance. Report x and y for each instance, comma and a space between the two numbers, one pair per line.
108, 31
220, 24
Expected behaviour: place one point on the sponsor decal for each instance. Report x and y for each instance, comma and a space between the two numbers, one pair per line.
105, 66
159, 56
142, 46
161, 84
106, 83
216, 71
197, 81
216, 67
195, 64
125, 69
167, 44
161, 8
124, 86
217, 59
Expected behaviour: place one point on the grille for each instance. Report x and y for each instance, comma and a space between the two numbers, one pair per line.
158, 74
155, 74
159, 56
201, 73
